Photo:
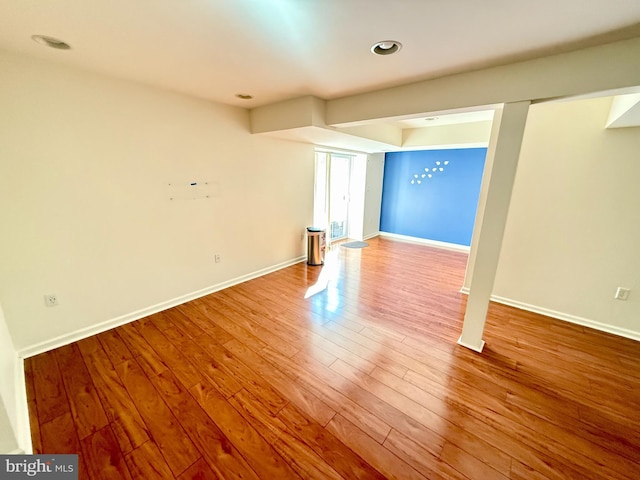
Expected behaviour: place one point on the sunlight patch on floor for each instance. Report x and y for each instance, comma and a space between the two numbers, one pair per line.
330, 271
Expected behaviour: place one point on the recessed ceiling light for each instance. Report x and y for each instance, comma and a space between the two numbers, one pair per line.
431, 119
50, 42
244, 96
386, 47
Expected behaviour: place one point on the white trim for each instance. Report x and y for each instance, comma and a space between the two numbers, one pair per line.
585, 322
423, 241
23, 435
145, 312
339, 151
446, 146
24, 428
475, 348
371, 235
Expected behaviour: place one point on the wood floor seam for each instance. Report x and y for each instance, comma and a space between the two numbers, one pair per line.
361, 380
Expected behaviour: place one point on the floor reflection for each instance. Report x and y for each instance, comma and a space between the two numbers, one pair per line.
330, 271
337, 285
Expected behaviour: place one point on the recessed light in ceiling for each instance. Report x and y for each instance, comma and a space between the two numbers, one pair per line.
431, 119
386, 47
244, 96
50, 42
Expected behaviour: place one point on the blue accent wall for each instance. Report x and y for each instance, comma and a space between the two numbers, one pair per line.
432, 194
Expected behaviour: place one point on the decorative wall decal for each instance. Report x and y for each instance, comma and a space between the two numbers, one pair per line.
430, 171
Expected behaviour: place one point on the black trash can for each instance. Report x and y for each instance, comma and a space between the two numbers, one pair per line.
316, 238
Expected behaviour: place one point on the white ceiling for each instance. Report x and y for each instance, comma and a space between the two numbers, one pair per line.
446, 119
281, 49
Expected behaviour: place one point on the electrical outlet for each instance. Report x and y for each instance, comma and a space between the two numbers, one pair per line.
622, 293
51, 300
217, 258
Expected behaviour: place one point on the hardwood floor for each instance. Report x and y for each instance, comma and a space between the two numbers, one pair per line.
361, 380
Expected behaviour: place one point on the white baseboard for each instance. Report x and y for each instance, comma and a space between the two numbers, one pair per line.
475, 348
24, 428
371, 235
145, 312
585, 322
23, 435
423, 241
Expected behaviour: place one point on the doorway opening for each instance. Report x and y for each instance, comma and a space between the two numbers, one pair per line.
332, 193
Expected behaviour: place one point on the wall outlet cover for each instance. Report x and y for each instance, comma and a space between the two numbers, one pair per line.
622, 293
51, 300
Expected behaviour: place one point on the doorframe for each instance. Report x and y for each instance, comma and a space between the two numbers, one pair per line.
323, 220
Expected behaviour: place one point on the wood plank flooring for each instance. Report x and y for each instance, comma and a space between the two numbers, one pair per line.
362, 380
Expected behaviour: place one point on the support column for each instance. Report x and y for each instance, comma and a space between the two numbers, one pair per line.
502, 156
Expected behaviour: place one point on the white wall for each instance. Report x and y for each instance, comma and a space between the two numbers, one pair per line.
573, 229
373, 195
85, 161
461, 135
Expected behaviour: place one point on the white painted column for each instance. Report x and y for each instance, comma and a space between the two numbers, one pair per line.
502, 157
10, 428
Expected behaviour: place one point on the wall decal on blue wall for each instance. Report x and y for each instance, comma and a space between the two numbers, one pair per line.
432, 194
436, 169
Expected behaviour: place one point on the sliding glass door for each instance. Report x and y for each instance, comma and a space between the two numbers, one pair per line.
331, 204
340, 174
